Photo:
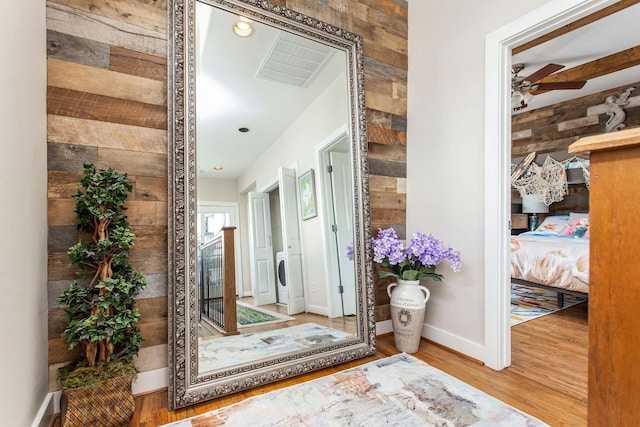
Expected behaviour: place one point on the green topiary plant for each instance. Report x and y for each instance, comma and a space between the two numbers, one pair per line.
101, 315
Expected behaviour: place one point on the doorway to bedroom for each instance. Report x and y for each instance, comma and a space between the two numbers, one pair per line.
542, 22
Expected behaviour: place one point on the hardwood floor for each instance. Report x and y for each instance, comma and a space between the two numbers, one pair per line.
547, 379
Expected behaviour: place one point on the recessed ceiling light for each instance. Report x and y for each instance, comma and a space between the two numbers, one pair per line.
243, 27
217, 168
243, 130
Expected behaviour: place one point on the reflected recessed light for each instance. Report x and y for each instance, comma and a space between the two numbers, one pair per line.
243, 27
217, 168
243, 130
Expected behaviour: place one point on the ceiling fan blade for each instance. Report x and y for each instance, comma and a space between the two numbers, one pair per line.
599, 67
538, 87
543, 72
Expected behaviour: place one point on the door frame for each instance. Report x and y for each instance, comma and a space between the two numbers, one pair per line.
255, 256
330, 265
497, 160
293, 245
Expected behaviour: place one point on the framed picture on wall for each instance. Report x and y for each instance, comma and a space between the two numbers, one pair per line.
307, 189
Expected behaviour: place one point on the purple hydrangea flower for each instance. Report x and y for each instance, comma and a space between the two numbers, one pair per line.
388, 245
418, 260
350, 253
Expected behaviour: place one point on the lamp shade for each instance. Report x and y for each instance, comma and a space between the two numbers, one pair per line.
532, 204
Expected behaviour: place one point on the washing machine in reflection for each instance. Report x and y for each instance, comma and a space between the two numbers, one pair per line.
282, 277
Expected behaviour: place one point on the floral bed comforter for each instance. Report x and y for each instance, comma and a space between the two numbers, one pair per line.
553, 261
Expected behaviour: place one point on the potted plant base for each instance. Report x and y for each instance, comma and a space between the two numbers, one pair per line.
103, 398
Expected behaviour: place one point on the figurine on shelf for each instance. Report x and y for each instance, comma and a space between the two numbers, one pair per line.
616, 113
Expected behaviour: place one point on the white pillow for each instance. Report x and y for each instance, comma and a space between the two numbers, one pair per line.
552, 225
576, 215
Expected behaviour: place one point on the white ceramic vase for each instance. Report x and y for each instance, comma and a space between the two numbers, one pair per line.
408, 300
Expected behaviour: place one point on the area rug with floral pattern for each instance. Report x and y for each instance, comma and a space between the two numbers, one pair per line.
529, 303
395, 391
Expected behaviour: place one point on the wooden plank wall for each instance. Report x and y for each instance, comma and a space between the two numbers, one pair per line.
106, 104
550, 130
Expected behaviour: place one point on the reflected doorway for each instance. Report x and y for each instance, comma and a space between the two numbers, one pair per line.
212, 217
335, 181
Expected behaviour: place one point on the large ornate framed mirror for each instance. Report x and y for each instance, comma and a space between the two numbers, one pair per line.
267, 135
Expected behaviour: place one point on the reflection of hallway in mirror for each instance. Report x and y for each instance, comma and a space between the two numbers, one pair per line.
345, 324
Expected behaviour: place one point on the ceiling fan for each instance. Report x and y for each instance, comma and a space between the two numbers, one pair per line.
521, 87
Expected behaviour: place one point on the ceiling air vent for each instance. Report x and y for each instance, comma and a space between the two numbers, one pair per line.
294, 60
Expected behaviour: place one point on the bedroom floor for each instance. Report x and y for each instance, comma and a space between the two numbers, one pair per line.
566, 332
550, 385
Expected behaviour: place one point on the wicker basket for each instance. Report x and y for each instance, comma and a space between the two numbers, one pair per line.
108, 404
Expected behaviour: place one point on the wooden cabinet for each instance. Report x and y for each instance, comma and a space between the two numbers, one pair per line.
614, 285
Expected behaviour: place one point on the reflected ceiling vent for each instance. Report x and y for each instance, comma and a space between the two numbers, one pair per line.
294, 60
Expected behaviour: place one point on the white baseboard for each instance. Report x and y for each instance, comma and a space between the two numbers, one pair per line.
316, 309
56, 401
439, 336
384, 327
151, 381
45, 413
454, 342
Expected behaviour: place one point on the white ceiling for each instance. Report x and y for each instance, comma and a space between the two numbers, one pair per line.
606, 36
229, 96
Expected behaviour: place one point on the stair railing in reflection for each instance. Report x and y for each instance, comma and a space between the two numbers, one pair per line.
218, 283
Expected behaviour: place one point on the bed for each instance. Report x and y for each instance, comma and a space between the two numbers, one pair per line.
555, 256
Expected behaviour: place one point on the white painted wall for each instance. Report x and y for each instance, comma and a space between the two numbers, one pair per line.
296, 146
23, 217
445, 153
217, 190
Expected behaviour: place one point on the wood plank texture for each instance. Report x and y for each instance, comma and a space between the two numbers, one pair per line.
386, 136
138, 163
138, 64
132, 12
614, 362
387, 184
65, 102
78, 23
69, 48
384, 201
554, 128
150, 188
94, 133
107, 106
83, 78
393, 153
387, 168
69, 157
63, 184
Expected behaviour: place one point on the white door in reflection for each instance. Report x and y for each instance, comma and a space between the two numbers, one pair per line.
291, 238
263, 280
343, 220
